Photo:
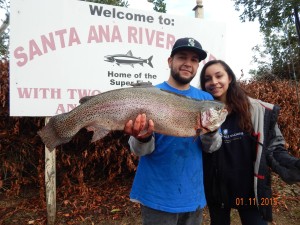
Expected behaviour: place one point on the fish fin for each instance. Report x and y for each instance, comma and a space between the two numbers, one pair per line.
175, 93
141, 64
197, 134
183, 96
142, 84
85, 99
149, 61
108, 58
132, 65
129, 53
50, 137
99, 132
198, 127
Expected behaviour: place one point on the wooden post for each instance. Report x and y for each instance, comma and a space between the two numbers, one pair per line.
50, 182
198, 9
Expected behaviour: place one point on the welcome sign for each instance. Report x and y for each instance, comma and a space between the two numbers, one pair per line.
63, 50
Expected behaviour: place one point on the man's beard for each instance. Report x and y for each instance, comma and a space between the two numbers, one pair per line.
181, 80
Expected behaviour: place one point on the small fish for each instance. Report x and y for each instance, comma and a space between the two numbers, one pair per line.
172, 114
128, 59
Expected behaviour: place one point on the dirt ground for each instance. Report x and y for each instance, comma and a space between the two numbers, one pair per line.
26, 208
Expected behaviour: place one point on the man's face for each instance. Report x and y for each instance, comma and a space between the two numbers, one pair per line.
184, 65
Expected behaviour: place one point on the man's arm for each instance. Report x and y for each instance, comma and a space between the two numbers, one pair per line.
141, 148
141, 141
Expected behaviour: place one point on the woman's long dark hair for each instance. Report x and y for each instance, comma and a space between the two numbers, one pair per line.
236, 98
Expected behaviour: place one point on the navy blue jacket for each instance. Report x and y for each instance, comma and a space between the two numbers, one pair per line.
270, 155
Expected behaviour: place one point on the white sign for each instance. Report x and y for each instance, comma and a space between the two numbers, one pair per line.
63, 50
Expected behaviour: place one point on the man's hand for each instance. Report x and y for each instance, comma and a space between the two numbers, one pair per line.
139, 128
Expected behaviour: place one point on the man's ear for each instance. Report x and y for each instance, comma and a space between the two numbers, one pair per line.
170, 59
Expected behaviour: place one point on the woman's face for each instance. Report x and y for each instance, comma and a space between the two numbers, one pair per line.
217, 81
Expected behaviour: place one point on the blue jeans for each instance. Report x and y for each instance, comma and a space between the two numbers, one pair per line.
156, 217
249, 216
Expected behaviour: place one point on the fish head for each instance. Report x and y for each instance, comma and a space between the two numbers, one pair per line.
109, 58
213, 117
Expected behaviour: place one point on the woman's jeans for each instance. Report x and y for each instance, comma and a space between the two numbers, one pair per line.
249, 216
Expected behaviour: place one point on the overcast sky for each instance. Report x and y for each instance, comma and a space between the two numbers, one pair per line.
241, 37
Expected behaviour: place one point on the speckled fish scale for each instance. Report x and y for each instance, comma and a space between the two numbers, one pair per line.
172, 114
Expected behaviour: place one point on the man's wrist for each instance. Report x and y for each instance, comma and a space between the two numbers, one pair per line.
145, 140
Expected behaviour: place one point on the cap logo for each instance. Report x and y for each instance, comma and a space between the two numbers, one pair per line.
191, 42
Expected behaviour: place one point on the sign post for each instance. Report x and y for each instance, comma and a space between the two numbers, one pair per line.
50, 183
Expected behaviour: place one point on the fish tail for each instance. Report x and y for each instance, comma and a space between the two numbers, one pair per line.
50, 137
149, 61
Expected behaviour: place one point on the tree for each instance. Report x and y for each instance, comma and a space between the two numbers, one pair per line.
4, 29
159, 5
281, 48
109, 2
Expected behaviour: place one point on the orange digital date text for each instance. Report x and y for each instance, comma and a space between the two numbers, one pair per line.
254, 202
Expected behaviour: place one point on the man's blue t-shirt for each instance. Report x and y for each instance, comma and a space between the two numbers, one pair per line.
170, 179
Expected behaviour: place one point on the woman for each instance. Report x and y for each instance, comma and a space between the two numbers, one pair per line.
238, 176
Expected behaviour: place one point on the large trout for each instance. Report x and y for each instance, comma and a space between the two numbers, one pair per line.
171, 113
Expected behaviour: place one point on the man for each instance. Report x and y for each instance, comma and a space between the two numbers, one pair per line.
169, 179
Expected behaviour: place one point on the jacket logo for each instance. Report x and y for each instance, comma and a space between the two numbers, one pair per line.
225, 131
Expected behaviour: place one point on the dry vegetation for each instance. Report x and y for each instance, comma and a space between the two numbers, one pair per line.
93, 180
